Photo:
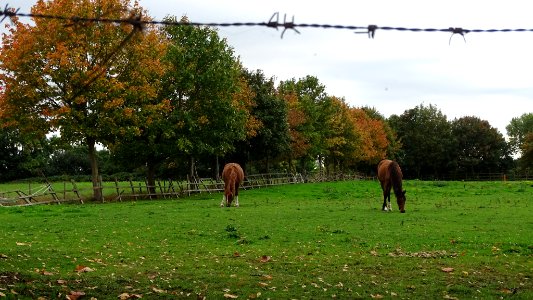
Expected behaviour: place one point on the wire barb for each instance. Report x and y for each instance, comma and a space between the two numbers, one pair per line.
9, 13
457, 30
286, 25
289, 25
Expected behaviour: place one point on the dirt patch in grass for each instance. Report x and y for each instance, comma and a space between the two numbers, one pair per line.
422, 254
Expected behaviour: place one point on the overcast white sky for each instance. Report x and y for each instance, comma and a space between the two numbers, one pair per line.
490, 76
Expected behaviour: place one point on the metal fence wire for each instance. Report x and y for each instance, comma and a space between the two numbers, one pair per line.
138, 22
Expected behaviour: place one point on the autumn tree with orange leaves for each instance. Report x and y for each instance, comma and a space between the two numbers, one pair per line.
90, 82
373, 142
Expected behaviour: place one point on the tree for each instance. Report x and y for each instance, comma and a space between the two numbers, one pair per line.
339, 135
425, 134
209, 99
478, 147
298, 143
271, 138
373, 143
526, 160
89, 81
304, 99
518, 129
394, 145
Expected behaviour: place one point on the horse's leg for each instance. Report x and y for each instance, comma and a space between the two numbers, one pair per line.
386, 196
384, 208
236, 194
388, 208
223, 201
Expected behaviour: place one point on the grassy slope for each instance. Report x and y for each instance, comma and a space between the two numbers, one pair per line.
299, 241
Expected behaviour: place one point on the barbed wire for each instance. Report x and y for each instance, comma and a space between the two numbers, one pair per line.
273, 22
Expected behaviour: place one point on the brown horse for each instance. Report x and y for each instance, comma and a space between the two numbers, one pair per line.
390, 176
233, 176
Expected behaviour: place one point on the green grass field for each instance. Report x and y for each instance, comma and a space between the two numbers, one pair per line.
471, 240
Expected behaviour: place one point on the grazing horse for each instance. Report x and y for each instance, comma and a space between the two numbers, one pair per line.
233, 175
390, 176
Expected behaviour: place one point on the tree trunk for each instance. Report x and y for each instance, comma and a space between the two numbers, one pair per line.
217, 168
97, 191
150, 178
191, 171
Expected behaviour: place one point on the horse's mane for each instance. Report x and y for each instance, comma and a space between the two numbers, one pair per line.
396, 178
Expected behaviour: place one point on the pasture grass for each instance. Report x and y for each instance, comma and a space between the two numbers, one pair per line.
457, 240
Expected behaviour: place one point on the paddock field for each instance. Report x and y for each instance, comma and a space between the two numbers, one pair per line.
457, 240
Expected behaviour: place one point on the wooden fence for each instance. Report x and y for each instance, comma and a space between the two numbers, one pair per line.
64, 192
50, 193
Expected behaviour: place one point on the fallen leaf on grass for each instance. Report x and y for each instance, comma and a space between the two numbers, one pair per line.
265, 258
23, 244
263, 284
44, 272
447, 270
74, 295
160, 291
83, 269
3, 255
61, 281
2, 294
125, 296
236, 254
376, 296
267, 277
230, 296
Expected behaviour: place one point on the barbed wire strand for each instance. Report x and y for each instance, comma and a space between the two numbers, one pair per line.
273, 22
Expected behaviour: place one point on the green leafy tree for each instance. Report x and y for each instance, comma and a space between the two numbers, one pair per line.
425, 134
305, 98
339, 134
92, 82
203, 85
518, 129
478, 147
272, 137
526, 160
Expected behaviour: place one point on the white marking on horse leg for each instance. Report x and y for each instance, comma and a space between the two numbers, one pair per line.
236, 201
223, 200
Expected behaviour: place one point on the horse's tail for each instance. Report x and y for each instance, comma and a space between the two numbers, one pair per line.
234, 178
396, 176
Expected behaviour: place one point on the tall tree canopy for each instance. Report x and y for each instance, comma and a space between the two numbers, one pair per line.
425, 134
209, 99
478, 147
304, 100
90, 81
271, 138
518, 130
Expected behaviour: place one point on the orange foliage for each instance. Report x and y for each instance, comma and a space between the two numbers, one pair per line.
243, 99
373, 138
296, 117
75, 76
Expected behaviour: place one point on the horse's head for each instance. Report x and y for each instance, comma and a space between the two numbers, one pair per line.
229, 198
401, 201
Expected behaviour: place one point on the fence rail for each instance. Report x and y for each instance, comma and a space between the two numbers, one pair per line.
113, 191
